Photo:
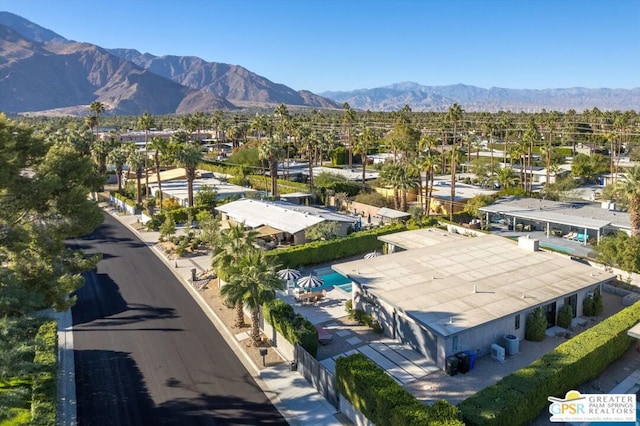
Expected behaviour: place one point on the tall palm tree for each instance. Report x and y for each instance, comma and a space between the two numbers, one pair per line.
189, 155
253, 281
364, 141
96, 108
530, 137
348, 120
146, 123
427, 162
136, 164
630, 188
271, 151
454, 116
283, 118
118, 157
159, 146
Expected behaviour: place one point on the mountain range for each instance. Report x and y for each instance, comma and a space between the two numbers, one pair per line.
42, 72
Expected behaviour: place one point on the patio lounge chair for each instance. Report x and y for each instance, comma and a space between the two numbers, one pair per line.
580, 238
570, 236
324, 337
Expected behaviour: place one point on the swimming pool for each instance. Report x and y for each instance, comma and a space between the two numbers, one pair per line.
334, 279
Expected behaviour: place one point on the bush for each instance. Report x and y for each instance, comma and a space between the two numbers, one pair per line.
519, 398
384, 402
565, 316
294, 327
337, 248
536, 325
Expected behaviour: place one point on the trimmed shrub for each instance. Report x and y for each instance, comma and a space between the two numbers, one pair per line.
376, 395
565, 316
536, 325
338, 248
294, 327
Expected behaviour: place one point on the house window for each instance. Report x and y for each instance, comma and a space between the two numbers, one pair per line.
517, 324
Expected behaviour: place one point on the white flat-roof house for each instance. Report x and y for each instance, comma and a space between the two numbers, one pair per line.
445, 293
287, 220
174, 185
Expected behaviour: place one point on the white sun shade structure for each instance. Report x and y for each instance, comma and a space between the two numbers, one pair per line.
372, 254
310, 282
289, 274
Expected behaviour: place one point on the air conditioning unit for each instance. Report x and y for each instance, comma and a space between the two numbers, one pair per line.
497, 352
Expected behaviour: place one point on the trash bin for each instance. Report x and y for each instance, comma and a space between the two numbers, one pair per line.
472, 359
451, 365
293, 365
464, 360
511, 345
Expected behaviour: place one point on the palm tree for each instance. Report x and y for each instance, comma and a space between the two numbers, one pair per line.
630, 188
271, 151
230, 245
454, 116
348, 119
428, 163
401, 177
136, 164
118, 157
188, 155
505, 177
146, 122
253, 281
530, 137
159, 145
96, 108
365, 140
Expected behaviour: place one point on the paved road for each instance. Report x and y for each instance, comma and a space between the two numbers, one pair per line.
146, 354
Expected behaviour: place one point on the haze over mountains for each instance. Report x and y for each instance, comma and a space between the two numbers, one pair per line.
41, 71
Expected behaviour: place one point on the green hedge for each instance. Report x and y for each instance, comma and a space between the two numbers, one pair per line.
326, 251
43, 405
294, 327
376, 395
519, 398
124, 199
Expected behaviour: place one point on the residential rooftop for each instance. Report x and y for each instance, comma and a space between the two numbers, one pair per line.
461, 283
287, 217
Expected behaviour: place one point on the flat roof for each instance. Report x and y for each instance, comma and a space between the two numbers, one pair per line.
580, 214
349, 174
178, 187
391, 213
287, 217
419, 238
435, 284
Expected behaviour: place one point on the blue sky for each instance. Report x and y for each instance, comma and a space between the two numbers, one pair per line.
322, 45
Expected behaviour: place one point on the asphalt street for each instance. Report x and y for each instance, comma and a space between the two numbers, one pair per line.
145, 353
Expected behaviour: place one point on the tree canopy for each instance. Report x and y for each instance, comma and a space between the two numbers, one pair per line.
44, 187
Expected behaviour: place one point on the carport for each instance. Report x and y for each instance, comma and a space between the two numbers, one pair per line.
548, 219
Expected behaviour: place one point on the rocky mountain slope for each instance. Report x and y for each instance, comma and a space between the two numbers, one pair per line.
43, 71
471, 98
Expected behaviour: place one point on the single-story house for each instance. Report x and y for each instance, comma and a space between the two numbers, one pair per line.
446, 293
174, 185
286, 221
591, 219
